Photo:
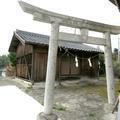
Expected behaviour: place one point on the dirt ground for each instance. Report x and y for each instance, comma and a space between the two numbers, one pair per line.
74, 100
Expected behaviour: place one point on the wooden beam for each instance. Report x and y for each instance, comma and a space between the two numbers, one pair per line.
48, 17
82, 39
20, 38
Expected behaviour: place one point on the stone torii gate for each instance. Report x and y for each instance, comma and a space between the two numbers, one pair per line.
84, 25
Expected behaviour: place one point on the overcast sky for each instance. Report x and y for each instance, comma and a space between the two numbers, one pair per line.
12, 17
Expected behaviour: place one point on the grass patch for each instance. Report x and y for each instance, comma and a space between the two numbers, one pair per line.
59, 107
28, 89
92, 115
95, 89
100, 89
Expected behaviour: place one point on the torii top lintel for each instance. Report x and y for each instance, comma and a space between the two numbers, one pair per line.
49, 17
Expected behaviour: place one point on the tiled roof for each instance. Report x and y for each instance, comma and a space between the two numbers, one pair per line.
34, 38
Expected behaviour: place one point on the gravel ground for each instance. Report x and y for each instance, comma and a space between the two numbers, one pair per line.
73, 100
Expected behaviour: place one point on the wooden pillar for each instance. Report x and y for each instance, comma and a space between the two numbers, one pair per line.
32, 65
51, 68
109, 69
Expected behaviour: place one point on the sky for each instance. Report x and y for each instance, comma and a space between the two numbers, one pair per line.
12, 17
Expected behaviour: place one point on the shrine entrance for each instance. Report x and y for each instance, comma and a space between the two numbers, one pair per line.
56, 20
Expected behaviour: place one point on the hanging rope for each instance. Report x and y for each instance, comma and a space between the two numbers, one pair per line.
90, 63
76, 58
82, 57
76, 61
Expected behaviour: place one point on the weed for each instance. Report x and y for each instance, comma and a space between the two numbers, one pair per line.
59, 107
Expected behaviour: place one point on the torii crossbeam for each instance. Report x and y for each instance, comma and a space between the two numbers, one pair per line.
84, 25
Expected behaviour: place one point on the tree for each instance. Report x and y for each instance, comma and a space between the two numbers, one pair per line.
4, 61
12, 59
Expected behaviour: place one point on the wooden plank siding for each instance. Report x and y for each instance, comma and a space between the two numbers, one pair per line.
23, 50
65, 64
36, 66
40, 66
24, 60
40, 63
23, 69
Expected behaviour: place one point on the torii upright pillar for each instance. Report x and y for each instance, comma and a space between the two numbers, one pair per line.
51, 68
69, 21
51, 73
109, 69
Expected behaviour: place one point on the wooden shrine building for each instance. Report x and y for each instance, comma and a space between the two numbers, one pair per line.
73, 59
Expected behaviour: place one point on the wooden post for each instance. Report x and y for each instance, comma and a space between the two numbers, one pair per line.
109, 69
51, 68
26, 63
32, 65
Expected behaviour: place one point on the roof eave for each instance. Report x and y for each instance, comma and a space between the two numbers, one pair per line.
14, 42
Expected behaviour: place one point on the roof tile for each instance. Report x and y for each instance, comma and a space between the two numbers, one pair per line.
35, 38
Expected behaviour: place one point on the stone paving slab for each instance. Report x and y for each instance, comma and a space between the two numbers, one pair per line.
16, 105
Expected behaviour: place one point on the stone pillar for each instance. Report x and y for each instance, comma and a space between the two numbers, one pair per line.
84, 31
109, 69
51, 68
84, 34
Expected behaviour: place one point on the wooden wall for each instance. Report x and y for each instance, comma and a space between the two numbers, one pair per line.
65, 64
23, 50
40, 63
32, 63
24, 61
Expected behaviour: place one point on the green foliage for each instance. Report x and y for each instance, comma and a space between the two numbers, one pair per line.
116, 64
12, 59
8, 59
4, 61
116, 67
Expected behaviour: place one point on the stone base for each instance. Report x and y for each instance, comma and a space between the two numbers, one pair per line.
43, 116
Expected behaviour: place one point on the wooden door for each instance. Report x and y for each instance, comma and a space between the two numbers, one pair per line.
65, 65
40, 66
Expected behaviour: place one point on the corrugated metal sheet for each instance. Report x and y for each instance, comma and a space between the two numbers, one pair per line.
34, 38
